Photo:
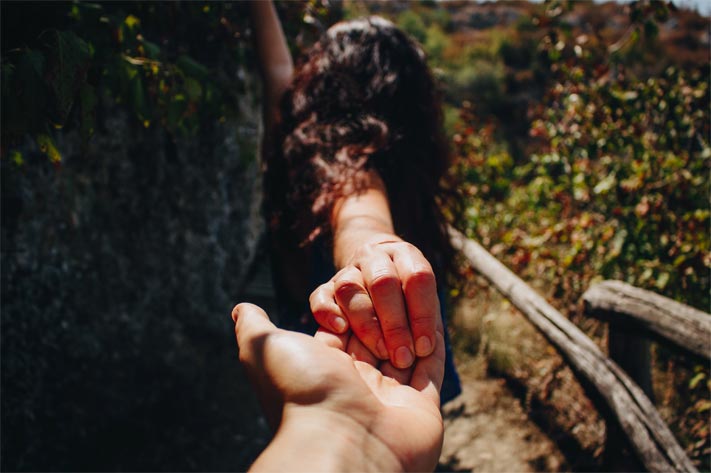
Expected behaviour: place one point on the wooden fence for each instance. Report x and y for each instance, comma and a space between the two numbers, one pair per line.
634, 414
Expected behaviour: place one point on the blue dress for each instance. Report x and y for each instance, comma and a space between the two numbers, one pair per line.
298, 317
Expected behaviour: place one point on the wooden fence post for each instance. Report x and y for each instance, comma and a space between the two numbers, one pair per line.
631, 351
634, 315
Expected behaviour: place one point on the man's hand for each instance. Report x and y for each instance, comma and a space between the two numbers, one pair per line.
364, 420
387, 295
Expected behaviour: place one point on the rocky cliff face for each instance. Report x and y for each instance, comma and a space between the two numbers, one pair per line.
119, 271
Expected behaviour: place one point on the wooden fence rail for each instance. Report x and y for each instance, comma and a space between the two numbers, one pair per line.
634, 315
649, 436
628, 306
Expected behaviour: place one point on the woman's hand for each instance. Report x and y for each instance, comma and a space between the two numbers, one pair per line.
387, 295
364, 420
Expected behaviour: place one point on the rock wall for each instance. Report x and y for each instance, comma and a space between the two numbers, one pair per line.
119, 270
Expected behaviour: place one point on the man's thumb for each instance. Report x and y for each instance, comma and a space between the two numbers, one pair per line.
251, 324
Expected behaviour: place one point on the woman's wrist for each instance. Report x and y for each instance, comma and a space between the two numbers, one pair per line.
380, 238
311, 438
357, 241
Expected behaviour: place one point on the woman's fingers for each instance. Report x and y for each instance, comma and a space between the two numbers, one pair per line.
359, 352
341, 303
384, 286
388, 298
420, 289
345, 342
429, 372
402, 376
325, 309
356, 304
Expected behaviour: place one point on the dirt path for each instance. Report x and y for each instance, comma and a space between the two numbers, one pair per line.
487, 430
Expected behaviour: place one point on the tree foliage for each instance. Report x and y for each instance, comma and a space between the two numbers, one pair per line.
175, 66
614, 181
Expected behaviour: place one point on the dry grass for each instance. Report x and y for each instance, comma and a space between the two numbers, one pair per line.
487, 325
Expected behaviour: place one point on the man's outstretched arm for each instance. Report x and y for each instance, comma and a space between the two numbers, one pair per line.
333, 413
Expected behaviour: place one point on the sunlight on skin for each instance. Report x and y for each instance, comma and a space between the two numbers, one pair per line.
385, 290
309, 385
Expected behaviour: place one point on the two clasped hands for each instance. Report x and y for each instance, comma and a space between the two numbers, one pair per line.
363, 393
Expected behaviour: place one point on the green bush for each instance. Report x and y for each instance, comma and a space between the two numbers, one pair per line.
413, 24
614, 184
481, 81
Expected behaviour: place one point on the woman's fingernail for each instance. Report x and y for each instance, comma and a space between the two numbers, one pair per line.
423, 346
338, 324
403, 357
382, 350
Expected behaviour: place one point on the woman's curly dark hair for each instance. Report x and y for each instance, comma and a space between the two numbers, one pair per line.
362, 98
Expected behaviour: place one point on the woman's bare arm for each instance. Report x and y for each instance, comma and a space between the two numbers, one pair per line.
361, 218
385, 289
275, 63
380, 275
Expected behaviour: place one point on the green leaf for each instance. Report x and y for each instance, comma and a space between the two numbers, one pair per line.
47, 146
16, 158
624, 95
193, 89
36, 61
703, 405
68, 61
617, 243
607, 183
634, 37
174, 113
191, 67
646, 274
696, 380
138, 98
662, 281
132, 22
27, 97
152, 49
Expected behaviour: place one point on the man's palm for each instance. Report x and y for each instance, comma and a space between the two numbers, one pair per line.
295, 371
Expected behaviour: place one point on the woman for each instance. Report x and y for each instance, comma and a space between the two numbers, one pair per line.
354, 159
